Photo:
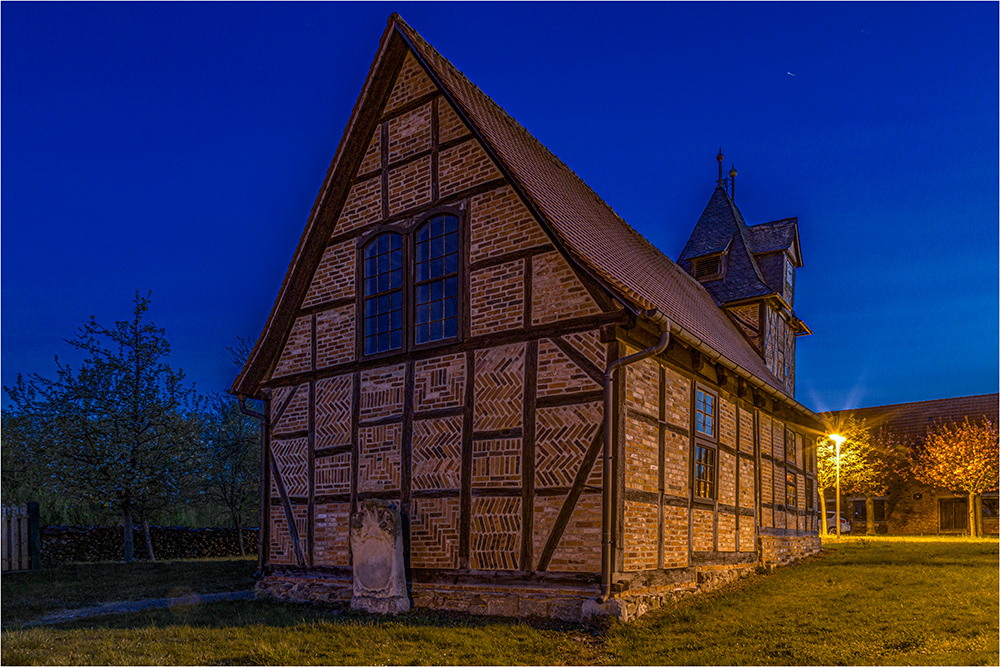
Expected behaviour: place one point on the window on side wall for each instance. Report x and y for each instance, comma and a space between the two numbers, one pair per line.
810, 503
791, 491
705, 453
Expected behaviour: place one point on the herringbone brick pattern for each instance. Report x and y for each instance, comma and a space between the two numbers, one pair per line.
331, 534
382, 392
434, 533
499, 388
333, 474
496, 463
437, 453
379, 458
296, 415
558, 374
291, 458
495, 532
333, 411
562, 436
439, 382
281, 541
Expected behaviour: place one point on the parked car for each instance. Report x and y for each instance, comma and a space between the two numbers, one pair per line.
845, 525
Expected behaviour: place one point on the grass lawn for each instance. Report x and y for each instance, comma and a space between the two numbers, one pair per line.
863, 601
29, 595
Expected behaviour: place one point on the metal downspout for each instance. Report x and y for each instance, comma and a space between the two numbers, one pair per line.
609, 375
264, 482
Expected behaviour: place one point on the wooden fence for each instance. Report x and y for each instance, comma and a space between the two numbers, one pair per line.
21, 541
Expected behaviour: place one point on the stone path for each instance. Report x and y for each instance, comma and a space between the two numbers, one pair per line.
137, 605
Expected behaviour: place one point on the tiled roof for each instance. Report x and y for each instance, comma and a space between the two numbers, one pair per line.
721, 225
773, 236
913, 420
587, 227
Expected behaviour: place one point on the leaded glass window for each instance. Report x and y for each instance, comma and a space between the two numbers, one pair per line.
704, 413
436, 287
383, 294
704, 472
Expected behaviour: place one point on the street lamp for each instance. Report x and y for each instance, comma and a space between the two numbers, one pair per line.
838, 439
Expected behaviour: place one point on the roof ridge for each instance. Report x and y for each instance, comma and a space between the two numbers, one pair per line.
911, 403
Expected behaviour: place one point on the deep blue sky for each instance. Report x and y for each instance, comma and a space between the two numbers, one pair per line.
179, 147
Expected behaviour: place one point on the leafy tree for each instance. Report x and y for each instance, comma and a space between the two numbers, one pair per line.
856, 470
119, 432
232, 459
961, 457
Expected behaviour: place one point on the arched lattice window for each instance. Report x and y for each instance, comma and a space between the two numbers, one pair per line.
383, 294
436, 286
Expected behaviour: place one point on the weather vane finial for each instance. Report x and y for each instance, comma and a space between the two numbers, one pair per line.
719, 158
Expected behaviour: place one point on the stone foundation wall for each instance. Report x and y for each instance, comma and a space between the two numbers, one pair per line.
783, 549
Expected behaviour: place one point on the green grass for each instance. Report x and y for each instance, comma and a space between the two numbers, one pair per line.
863, 601
269, 633
29, 595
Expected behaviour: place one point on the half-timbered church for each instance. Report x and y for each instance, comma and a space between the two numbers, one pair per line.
568, 421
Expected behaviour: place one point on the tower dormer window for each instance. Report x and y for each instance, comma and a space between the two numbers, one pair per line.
708, 268
789, 273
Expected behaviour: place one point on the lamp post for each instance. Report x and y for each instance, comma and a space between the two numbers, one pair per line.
838, 439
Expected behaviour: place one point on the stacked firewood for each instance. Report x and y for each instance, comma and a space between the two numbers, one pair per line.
97, 543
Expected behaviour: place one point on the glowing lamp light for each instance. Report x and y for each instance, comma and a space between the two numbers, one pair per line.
839, 440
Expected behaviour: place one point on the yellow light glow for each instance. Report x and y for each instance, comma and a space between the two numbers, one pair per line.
839, 439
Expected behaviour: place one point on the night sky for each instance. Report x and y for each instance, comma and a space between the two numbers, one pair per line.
178, 148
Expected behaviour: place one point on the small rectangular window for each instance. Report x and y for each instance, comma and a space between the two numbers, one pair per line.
704, 472
708, 267
789, 446
704, 413
791, 491
810, 503
860, 512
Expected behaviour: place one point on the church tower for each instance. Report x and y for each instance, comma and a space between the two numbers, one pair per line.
750, 273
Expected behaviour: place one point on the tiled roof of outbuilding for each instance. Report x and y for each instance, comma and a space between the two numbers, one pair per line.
913, 420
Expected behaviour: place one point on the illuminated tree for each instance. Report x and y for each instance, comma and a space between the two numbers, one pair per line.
961, 457
869, 463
